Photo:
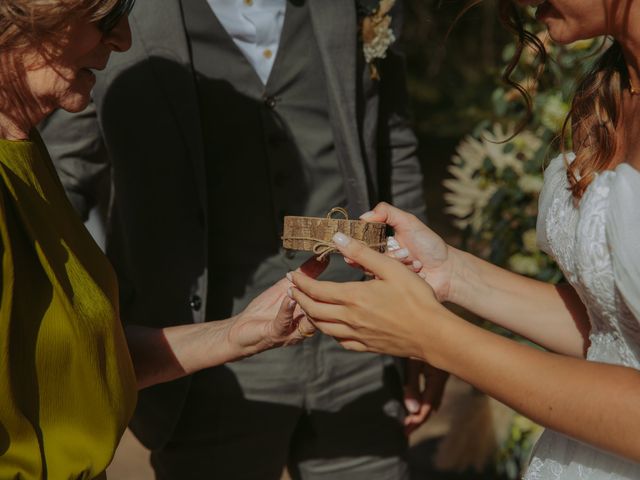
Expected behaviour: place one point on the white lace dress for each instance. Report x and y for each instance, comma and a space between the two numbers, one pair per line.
597, 245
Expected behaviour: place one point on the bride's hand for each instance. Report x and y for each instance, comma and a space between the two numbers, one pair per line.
395, 313
435, 258
272, 319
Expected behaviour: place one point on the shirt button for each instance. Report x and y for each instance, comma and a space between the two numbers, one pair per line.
248, 3
270, 102
195, 303
267, 53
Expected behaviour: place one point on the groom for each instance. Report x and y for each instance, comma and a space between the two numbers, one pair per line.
224, 117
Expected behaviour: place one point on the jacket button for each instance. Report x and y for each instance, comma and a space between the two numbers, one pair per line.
195, 303
270, 102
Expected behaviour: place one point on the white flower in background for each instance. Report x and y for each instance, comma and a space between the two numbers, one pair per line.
524, 264
527, 143
495, 149
530, 183
466, 202
471, 187
530, 241
468, 193
554, 111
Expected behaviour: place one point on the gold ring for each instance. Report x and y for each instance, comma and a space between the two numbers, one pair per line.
304, 334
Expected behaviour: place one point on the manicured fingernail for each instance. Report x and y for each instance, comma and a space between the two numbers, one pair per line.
366, 215
422, 275
341, 239
412, 405
290, 276
292, 304
392, 244
402, 253
290, 292
348, 260
417, 264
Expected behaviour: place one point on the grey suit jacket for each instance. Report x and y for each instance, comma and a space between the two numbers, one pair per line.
142, 132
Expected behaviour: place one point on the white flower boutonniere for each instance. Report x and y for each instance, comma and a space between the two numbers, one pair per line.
377, 35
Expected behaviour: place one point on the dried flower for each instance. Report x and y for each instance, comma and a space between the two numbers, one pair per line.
377, 35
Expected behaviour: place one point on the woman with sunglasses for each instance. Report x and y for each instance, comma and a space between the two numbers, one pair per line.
586, 386
68, 373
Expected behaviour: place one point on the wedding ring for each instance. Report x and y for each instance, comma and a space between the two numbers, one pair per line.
305, 334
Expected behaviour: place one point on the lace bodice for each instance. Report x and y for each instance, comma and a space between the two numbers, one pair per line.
594, 245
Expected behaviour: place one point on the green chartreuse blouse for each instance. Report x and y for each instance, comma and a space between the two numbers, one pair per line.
67, 384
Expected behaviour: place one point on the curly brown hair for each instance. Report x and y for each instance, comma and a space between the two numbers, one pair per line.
594, 116
595, 107
26, 23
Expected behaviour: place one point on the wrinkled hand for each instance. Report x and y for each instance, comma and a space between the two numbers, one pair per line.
417, 243
392, 313
273, 319
421, 399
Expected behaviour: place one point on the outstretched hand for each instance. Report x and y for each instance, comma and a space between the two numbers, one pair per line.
273, 319
384, 315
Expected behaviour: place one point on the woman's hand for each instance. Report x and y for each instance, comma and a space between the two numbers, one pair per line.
272, 319
417, 243
393, 313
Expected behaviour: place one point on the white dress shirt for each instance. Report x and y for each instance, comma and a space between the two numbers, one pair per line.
255, 27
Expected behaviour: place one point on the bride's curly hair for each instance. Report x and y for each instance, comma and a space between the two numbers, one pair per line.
25, 23
595, 107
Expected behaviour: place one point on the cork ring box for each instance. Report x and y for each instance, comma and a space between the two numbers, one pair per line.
314, 234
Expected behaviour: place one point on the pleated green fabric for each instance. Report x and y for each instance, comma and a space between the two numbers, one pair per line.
67, 385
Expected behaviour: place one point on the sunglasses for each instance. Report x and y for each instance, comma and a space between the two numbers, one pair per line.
111, 19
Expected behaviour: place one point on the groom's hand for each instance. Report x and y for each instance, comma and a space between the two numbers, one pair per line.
422, 400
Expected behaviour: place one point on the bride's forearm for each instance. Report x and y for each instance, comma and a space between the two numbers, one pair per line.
162, 355
551, 316
595, 403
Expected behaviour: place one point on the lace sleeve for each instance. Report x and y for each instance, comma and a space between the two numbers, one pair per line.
623, 234
555, 182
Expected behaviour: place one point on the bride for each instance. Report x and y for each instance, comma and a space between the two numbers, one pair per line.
585, 388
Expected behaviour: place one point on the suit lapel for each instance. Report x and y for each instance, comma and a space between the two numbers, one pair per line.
164, 40
335, 27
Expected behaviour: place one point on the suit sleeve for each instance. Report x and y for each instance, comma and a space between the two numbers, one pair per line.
77, 149
400, 175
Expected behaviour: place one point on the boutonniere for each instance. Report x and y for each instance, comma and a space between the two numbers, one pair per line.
377, 34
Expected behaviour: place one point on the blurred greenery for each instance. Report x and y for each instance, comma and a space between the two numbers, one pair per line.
452, 65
